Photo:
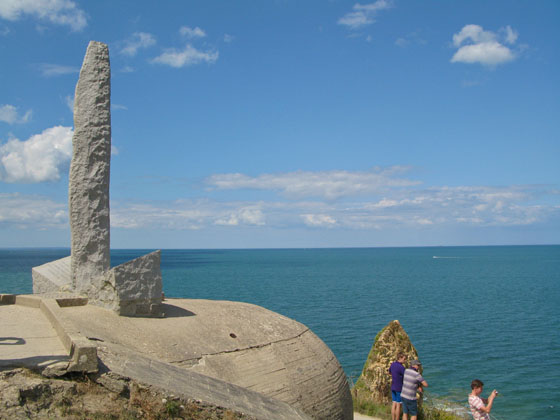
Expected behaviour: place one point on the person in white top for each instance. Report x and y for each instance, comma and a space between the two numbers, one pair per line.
480, 407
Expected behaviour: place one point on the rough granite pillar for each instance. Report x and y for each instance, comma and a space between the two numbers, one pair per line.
89, 171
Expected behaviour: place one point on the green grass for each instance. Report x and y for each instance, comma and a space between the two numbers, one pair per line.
364, 404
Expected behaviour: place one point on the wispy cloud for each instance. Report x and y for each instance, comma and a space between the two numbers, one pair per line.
51, 70
137, 41
477, 46
187, 215
192, 32
31, 211
412, 209
228, 38
9, 114
328, 184
188, 56
474, 206
38, 158
69, 101
411, 38
59, 12
363, 14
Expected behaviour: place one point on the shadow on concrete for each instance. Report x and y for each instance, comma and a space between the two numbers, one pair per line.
32, 362
172, 311
11, 341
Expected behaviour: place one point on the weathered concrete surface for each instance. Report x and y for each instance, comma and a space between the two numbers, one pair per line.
90, 169
239, 343
27, 339
131, 289
195, 386
52, 277
80, 355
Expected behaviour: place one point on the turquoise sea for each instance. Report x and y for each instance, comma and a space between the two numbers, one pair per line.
491, 313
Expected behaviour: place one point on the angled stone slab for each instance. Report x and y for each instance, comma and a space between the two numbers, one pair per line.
52, 277
131, 289
90, 169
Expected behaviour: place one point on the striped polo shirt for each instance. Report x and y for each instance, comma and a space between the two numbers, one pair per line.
410, 384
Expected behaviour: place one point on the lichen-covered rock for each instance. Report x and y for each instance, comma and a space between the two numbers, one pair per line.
88, 189
375, 378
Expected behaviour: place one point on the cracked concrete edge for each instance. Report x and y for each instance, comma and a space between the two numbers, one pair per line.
193, 385
83, 354
188, 362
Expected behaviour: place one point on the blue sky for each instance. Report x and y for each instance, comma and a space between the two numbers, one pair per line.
241, 124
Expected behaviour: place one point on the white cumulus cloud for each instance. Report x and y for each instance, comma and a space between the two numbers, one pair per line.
188, 56
137, 41
363, 14
9, 114
37, 159
475, 45
60, 12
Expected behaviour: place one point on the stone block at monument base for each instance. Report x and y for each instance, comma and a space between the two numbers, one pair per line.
131, 289
52, 277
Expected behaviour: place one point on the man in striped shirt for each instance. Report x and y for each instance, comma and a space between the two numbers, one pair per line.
480, 407
411, 381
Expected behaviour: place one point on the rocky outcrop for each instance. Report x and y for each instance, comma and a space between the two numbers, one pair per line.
27, 395
375, 382
88, 188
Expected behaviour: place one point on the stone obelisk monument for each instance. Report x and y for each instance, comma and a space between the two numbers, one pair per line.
90, 170
135, 287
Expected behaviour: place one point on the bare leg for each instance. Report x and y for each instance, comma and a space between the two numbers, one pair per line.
398, 411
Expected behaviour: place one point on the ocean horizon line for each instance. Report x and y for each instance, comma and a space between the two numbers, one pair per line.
291, 248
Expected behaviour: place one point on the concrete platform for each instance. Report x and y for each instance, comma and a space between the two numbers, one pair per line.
239, 343
229, 354
27, 339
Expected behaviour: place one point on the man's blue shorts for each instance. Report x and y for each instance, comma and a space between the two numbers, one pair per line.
410, 407
396, 396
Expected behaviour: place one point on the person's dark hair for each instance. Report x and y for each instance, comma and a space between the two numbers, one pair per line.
476, 383
400, 354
